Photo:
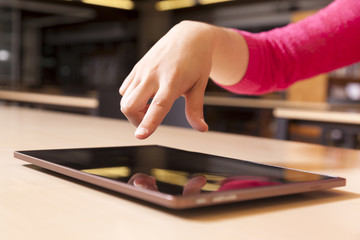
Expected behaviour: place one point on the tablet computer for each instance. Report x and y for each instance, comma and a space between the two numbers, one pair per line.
175, 178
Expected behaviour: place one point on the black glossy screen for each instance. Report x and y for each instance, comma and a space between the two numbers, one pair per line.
173, 171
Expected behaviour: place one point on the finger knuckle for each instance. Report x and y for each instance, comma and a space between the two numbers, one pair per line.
126, 108
160, 102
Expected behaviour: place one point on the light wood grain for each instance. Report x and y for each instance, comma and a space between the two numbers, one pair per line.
49, 99
37, 204
311, 90
335, 116
261, 103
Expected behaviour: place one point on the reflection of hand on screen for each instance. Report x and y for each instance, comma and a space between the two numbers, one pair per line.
141, 180
195, 184
241, 182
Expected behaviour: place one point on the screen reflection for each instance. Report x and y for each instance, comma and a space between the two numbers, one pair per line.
173, 171
178, 172
198, 184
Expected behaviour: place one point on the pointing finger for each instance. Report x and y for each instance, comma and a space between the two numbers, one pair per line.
134, 103
159, 107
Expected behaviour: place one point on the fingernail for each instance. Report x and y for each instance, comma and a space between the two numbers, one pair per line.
140, 131
121, 89
139, 185
206, 127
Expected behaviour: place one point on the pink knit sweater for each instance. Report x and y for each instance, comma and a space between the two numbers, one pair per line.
323, 42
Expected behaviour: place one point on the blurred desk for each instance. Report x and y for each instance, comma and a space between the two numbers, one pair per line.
244, 115
38, 204
346, 119
259, 103
88, 103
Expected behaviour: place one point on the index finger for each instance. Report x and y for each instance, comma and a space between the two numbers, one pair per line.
159, 107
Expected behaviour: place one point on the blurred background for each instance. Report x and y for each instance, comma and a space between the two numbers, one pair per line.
72, 56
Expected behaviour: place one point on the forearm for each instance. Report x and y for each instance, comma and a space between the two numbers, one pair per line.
230, 57
318, 44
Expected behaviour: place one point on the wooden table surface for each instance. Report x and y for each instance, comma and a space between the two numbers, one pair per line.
38, 204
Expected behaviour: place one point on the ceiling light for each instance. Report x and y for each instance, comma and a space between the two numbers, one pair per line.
122, 4
4, 55
174, 4
205, 2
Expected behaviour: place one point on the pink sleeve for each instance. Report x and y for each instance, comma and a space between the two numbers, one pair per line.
323, 42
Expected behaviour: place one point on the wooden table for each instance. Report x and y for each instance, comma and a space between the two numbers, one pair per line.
38, 204
346, 119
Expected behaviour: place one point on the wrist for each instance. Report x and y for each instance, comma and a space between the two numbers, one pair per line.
230, 57
202, 32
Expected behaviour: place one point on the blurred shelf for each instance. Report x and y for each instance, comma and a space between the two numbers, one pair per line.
89, 101
261, 103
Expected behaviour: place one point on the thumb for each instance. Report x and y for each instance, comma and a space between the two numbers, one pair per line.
194, 103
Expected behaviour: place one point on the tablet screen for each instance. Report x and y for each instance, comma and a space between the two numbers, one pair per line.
173, 171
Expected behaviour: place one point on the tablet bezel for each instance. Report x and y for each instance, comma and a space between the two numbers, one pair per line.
184, 202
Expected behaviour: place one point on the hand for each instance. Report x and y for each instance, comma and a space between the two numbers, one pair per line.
179, 64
